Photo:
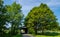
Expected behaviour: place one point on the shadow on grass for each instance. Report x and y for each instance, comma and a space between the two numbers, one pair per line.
8, 35
49, 33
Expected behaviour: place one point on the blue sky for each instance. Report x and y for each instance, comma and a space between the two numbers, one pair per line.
27, 5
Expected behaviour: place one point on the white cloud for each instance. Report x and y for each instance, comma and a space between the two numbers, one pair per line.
54, 3
37, 2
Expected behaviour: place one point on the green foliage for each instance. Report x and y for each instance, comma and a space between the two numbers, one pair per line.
14, 16
3, 18
41, 18
11, 14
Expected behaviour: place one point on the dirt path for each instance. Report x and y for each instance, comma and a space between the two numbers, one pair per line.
27, 35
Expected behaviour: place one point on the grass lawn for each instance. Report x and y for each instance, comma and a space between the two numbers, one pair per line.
46, 36
17, 36
49, 34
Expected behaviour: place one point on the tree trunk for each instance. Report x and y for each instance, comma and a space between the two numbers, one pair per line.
35, 31
42, 31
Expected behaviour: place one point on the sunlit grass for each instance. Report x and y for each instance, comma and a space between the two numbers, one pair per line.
49, 34
46, 36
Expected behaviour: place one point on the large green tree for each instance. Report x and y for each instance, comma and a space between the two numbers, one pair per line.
40, 18
15, 16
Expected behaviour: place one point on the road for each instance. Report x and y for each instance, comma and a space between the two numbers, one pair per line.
27, 35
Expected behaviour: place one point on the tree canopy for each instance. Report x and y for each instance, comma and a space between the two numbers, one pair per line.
41, 18
15, 16
10, 14
3, 18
